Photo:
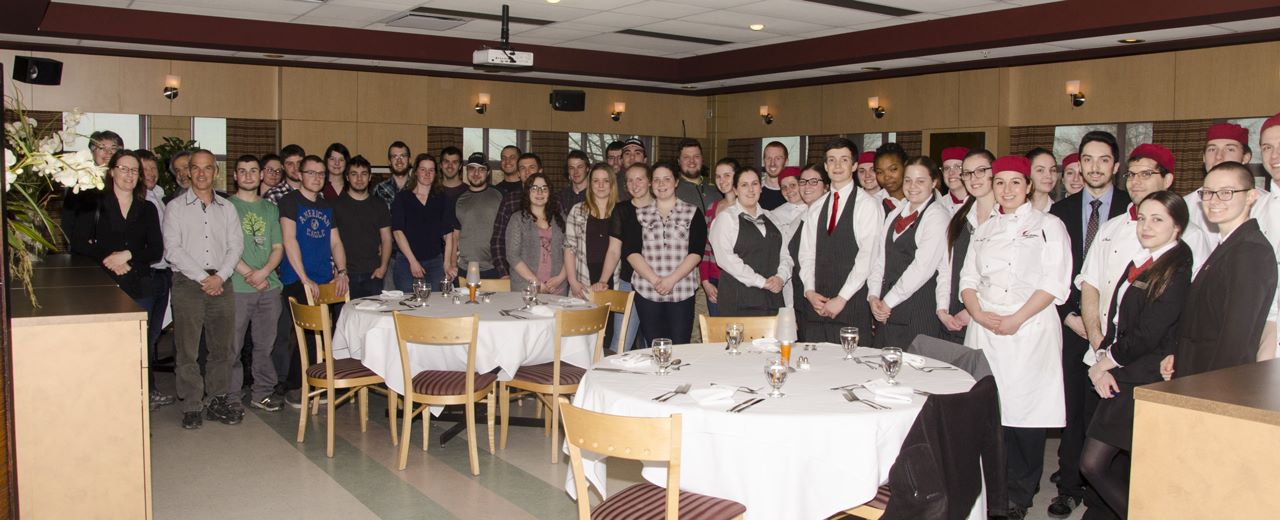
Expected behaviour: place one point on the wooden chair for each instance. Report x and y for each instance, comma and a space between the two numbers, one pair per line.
488, 284
549, 381
327, 297
636, 438
619, 302
329, 375
442, 387
753, 327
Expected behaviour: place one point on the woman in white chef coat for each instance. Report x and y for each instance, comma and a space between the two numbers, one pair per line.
1018, 267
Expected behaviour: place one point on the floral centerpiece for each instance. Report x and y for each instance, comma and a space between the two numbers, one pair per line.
36, 169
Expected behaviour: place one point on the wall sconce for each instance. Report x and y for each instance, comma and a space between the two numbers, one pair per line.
765, 115
1073, 90
482, 102
171, 85
873, 103
619, 108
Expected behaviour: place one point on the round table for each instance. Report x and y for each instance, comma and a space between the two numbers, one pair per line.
504, 342
806, 456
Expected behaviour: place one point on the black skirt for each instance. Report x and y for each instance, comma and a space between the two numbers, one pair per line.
1113, 419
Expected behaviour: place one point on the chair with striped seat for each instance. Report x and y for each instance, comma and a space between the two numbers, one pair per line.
442, 387
548, 381
753, 327
330, 375
644, 439
620, 302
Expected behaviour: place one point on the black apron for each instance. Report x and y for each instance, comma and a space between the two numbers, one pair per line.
760, 253
916, 314
833, 260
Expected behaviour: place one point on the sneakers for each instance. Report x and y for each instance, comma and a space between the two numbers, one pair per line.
1063, 505
191, 421
159, 399
270, 403
220, 409
1016, 512
294, 398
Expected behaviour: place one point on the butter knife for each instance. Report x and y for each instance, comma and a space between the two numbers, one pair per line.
747, 404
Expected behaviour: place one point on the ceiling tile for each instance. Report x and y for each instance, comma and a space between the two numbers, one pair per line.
659, 9
719, 4
565, 31
619, 20
741, 21
715, 32
1260, 24
540, 10
803, 11
332, 22
975, 9
362, 15
642, 42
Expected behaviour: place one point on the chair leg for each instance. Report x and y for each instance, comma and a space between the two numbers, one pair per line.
302, 413
493, 396
328, 449
471, 438
504, 402
555, 428
392, 403
405, 434
363, 401
315, 407
426, 426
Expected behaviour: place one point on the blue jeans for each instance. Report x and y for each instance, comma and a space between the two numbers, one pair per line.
713, 308
633, 328
363, 284
434, 268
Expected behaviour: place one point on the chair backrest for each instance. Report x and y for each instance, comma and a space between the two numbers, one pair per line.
753, 327
619, 302
489, 284
328, 294
441, 332
970, 360
634, 438
313, 319
572, 323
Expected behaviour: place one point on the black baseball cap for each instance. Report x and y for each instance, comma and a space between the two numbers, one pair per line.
477, 159
634, 140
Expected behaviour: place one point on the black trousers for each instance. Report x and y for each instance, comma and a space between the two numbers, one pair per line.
1024, 454
1081, 400
672, 320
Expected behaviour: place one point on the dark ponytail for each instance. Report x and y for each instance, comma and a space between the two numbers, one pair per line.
958, 222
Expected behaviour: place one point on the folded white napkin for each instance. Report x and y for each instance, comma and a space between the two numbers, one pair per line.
369, 306
914, 360
543, 310
884, 392
767, 344
391, 295
631, 360
714, 396
572, 301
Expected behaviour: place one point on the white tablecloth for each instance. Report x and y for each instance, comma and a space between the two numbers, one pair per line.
805, 456
504, 343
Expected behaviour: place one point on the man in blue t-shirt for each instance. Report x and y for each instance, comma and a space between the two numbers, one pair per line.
313, 252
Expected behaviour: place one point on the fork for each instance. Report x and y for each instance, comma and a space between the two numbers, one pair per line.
680, 390
852, 397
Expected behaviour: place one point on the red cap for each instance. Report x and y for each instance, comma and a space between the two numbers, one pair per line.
1073, 158
790, 171
1012, 163
867, 157
955, 153
1270, 122
1235, 133
1157, 153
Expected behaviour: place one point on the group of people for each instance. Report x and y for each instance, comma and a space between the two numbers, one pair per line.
1076, 289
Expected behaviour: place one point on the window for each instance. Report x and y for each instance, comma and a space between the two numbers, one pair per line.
795, 148
593, 144
1066, 139
872, 141
210, 133
129, 126
491, 141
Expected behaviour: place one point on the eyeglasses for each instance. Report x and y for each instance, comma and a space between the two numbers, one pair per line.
984, 171
276, 171
540, 188
1144, 175
400, 156
108, 148
810, 182
954, 167
1223, 195
127, 171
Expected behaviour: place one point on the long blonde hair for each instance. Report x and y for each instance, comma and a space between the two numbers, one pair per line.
591, 207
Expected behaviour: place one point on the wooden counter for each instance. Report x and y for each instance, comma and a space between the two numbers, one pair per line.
1205, 446
81, 421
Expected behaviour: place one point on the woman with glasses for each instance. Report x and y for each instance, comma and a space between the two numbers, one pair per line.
1226, 310
754, 266
587, 258
535, 240
1044, 178
977, 208
422, 224
1018, 267
952, 167
664, 248
725, 171
901, 288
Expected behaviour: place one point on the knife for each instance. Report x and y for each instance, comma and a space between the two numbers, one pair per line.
618, 370
748, 404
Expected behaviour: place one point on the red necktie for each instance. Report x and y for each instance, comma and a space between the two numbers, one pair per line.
1135, 272
835, 208
1133, 213
955, 199
889, 205
901, 223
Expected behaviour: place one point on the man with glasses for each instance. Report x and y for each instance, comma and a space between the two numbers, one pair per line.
775, 159
693, 187
257, 289
952, 161
291, 156
102, 145
398, 158
365, 224
1083, 214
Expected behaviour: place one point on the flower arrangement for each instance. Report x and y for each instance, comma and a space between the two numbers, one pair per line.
36, 169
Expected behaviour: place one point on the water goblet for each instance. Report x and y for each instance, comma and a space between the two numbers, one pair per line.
775, 373
891, 358
529, 295
733, 337
848, 341
421, 290
662, 355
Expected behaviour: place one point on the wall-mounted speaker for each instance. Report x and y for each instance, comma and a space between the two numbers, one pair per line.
568, 100
37, 71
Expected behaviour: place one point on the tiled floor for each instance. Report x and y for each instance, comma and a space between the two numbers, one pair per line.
256, 470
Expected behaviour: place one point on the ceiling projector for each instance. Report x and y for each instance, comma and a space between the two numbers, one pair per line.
503, 58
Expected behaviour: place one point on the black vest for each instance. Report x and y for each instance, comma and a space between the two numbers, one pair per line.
915, 315
760, 253
833, 260
959, 250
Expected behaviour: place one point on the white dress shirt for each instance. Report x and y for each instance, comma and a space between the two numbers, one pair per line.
868, 216
724, 234
931, 246
787, 217
948, 201
155, 196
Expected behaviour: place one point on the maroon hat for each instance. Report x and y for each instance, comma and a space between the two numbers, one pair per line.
1235, 133
1070, 159
867, 157
1270, 122
954, 153
790, 171
1159, 154
1012, 163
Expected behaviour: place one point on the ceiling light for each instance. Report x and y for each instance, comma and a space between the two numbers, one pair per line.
756, 26
553, 1
273, 56
871, 69
1131, 40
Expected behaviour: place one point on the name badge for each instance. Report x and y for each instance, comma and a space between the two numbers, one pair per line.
1141, 284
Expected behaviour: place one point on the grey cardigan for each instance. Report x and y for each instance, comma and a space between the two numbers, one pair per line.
523, 245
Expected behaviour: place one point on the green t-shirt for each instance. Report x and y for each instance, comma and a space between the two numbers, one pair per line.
261, 224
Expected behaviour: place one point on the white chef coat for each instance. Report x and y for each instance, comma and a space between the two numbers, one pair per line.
724, 234
931, 246
788, 218
868, 216
1267, 211
1010, 257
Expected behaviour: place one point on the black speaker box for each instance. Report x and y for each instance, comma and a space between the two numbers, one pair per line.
568, 100
37, 71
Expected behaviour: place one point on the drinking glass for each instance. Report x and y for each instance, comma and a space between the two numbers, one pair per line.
530, 295
775, 372
848, 341
733, 337
891, 358
446, 284
421, 290
662, 355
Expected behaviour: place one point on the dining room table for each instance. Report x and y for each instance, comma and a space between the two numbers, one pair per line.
806, 455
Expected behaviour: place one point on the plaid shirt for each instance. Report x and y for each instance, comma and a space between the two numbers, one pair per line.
386, 190
275, 194
666, 244
575, 240
498, 242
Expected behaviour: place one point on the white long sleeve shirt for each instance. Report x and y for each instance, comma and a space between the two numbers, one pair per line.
931, 246
724, 234
868, 216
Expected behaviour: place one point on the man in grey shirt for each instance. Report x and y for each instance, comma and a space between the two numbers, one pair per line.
203, 242
694, 187
476, 210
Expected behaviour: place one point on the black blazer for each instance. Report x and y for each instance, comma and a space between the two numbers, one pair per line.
1227, 305
1069, 211
100, 230
1144, 332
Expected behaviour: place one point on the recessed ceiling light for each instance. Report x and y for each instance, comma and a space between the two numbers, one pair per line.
756, 26
273, 56
553, 1
1131, 40
871, 69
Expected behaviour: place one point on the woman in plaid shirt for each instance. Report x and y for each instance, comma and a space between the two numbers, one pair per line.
592, 265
